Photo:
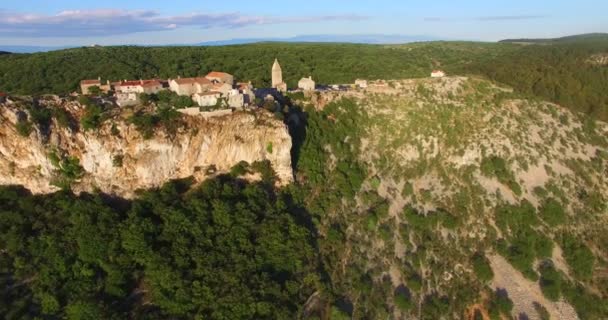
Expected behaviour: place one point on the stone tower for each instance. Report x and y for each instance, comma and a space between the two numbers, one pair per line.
277, 77
277, 74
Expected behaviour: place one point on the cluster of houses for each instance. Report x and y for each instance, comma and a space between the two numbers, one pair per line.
214, 89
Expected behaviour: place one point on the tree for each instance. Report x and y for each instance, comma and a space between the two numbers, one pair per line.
550, 281
94, 91
482, 268
92, 118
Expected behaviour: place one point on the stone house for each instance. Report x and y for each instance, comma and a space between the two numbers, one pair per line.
223, 88
3, 97
221, 77
236, 99
190, 86
207, 99
306, 84
139, 86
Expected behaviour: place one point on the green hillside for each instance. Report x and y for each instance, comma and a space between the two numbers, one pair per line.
568, 39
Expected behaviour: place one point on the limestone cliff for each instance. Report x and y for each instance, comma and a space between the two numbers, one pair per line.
116, 159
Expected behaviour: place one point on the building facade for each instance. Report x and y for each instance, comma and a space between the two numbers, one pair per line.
306, 84
207, 99
190, 86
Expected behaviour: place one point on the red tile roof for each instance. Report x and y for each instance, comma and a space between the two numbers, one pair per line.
199, 80
2, 94
144, 83
217, 74
152, 83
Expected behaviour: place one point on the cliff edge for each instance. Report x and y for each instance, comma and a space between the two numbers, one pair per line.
116, 158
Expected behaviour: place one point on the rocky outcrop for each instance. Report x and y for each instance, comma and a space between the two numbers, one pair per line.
120, 161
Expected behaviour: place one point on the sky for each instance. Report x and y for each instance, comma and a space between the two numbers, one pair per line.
157, 22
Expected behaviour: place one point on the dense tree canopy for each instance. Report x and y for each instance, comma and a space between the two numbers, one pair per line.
225, 250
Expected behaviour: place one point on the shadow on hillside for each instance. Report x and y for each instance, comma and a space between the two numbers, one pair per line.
296, 121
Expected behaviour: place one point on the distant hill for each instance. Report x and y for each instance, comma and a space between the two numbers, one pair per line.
568, 39
330, 38
4, 52
28, 49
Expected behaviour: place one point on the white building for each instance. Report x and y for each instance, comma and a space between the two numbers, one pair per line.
306, 84
207, 99
223, 88
236, 99
437, 74
139, 86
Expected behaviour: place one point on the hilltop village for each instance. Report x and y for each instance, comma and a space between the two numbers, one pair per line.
216, 93
216, 90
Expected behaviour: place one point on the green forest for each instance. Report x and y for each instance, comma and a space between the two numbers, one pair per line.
225, 250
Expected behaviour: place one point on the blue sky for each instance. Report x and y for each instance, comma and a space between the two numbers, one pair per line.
71, 22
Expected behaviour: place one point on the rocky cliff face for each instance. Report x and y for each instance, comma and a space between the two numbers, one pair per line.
120, 161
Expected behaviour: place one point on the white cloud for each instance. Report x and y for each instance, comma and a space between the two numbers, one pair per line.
107, 22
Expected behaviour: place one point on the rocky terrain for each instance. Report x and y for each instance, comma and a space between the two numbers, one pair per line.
116, 159
464, 167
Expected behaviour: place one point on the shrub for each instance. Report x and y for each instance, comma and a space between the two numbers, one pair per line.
482, 268
500, 303
403, 301
495, 166
92, 117
552, 212
63, 117
542, 311
550, 281
144, 123
117, 160
40, 116
23, 127
239, 169
68, 169
579, 257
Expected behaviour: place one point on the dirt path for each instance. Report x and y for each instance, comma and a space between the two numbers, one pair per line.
524, 293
